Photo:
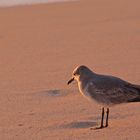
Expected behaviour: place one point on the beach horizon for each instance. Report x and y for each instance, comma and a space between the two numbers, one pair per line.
10, 3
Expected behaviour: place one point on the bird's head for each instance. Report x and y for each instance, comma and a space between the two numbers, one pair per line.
78, 72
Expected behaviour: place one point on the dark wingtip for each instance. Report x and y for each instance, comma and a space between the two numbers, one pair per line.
135, 100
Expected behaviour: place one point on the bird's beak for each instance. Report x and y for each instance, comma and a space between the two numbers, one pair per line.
71, 80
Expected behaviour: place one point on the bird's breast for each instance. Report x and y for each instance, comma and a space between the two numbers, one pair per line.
94, 95
84, 90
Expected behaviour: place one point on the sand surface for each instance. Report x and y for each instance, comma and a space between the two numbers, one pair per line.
39, 48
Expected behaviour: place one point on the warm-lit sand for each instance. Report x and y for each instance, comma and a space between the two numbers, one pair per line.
41, 45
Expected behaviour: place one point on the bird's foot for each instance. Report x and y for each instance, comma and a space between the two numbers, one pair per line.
101, 127
106, 125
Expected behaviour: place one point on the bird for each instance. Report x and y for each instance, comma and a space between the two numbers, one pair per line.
106, 90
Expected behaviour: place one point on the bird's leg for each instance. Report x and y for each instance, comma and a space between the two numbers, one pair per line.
107, 115
102, 121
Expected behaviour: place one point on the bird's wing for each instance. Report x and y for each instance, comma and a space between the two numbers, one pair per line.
113, 92
136, 93
136, 87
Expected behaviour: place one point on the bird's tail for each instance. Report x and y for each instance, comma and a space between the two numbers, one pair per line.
137, 87
137, 99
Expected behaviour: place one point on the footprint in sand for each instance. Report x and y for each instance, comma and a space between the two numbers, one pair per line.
55, 92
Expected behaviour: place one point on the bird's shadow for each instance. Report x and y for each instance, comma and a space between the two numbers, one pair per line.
80, 124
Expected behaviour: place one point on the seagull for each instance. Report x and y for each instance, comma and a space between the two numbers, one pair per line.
104, 89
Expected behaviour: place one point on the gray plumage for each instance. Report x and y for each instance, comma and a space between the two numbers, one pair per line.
105, 89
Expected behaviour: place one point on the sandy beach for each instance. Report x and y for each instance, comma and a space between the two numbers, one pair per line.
40, 45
